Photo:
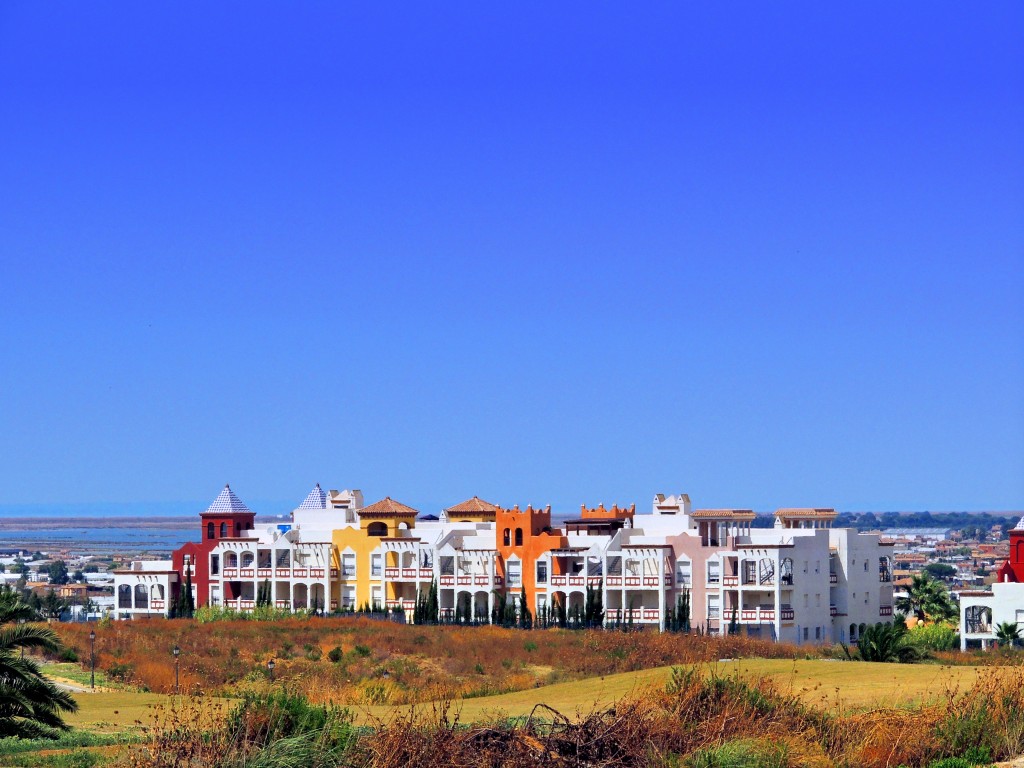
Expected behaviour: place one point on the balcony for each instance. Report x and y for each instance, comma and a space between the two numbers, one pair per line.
391, 573
559, 581
263, 573
577, 581
409, 573
300, 573
614, 581
833, 611
230, 573
447, 581
758, 615
731, 581
426, 573
833, 578
316, 573
247, 573
334, 574
632, 581
157, 605
282, 604
283, 573
885, 610
594, 581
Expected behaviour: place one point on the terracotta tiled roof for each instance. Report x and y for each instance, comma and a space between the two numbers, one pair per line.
387, 507
805, 512
475, 505
724, 514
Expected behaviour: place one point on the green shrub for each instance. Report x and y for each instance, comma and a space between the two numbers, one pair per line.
68, 654
934, 637
362, 650
121, 672
530, 646
335, 654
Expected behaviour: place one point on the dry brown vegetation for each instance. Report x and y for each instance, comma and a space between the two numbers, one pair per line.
382, 662
698, 714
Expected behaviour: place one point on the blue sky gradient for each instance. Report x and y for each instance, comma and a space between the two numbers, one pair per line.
771, 257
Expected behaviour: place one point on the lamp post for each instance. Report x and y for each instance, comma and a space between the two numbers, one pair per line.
92, 659
176, 651
270, 669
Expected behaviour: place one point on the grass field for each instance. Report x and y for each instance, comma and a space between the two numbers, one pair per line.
826, 684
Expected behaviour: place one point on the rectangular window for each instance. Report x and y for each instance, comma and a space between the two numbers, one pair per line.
714, 606
348, 566
805, 633
865, 566
376, 566
348, 597
805, 566
514, 573
683, 572
214, 565
817, 566
817, 633
542, 572
376, 600
714, 571
817, 599
542, 602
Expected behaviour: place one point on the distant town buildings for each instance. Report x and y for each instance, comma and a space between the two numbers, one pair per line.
799, 581
982, 611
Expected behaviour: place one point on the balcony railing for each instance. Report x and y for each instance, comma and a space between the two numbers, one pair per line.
391, 573
230, 573
447, 581
263, 573
765, 614
559, 581
282, 604
885, 610
833, 611
157, 605
731, 581
614, 581
833, 578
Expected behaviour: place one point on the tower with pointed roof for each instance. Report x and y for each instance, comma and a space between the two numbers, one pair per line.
1013, 568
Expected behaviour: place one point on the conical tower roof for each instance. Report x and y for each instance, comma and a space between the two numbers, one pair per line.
1020, 525
316, 499
227, 503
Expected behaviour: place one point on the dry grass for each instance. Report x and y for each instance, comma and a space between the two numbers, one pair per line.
382, 662
699, 710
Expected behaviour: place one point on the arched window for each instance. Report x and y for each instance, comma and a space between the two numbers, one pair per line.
853, 632
223, 530
124, 596
519, 537
209, 530
377, 529
247, 559
141, 596
506, 537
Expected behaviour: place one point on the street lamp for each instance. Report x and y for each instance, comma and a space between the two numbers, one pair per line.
270, 669
176, 651
92, 659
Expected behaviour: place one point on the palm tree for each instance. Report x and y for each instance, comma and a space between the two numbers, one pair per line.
886, 642
927, 598
13, 608
30, 705
1008, 633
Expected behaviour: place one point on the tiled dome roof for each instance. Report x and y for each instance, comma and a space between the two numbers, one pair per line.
227, 502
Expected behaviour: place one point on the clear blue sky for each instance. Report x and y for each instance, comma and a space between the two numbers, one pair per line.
546, 253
